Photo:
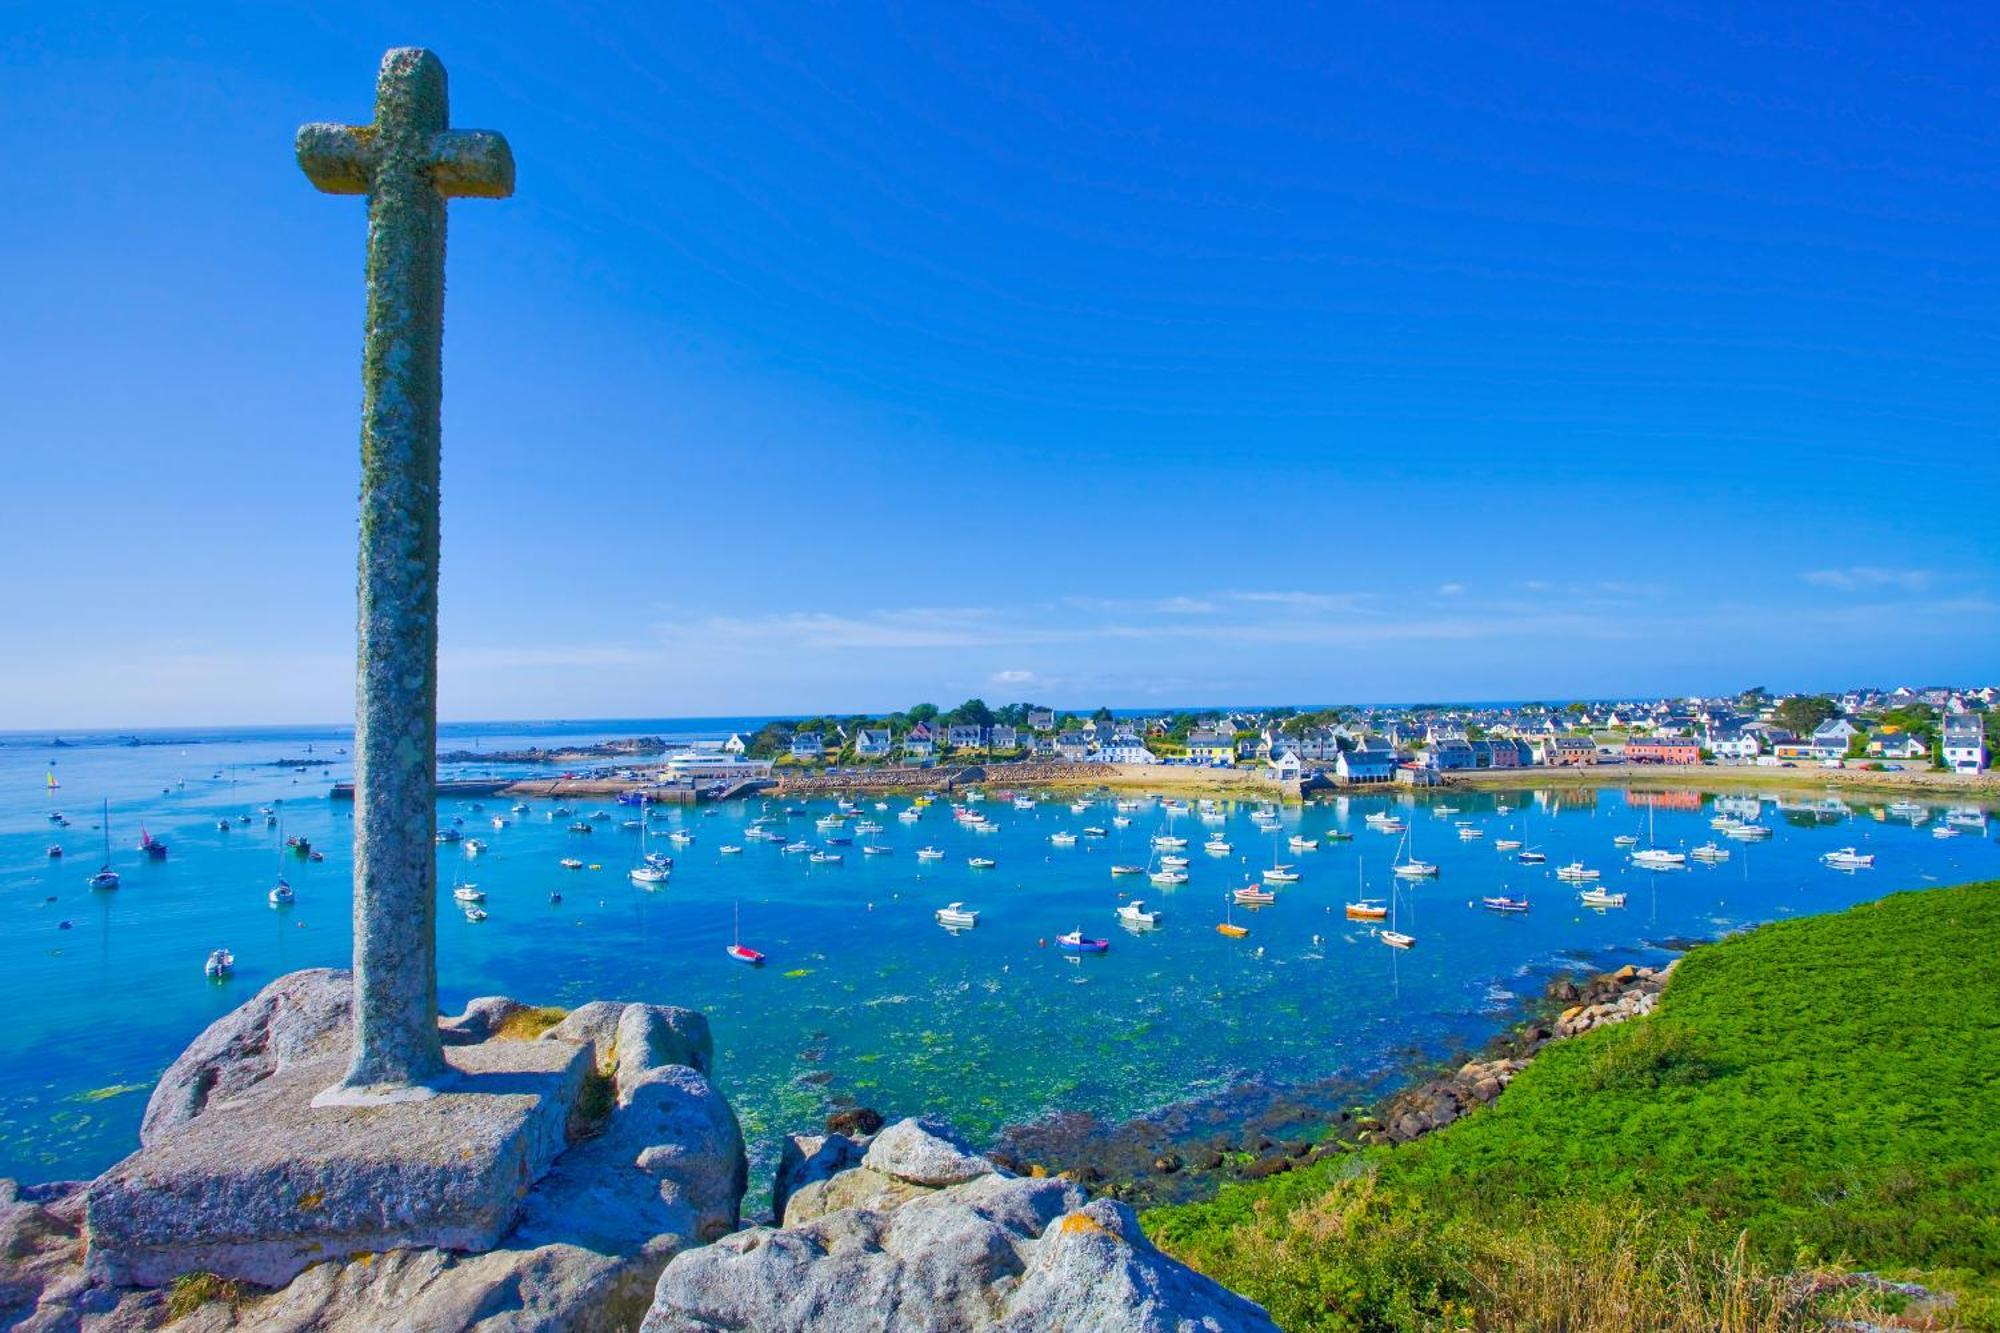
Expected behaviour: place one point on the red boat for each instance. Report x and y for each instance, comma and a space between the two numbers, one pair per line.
737, 949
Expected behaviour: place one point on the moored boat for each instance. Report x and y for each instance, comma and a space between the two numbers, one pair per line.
1077, 942
956, 916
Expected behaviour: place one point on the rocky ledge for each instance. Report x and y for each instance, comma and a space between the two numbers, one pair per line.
654, 1165
635, 1224
912, 1229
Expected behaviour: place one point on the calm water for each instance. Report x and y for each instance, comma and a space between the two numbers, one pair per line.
865, 996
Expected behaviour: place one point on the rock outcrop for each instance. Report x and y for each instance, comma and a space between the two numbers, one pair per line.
868, 1246
657, 1167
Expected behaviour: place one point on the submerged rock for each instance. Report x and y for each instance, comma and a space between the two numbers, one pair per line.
866, 1250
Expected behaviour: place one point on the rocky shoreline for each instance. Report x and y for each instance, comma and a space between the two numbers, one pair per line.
1252, 1131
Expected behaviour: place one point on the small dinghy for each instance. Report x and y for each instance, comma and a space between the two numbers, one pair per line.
1075, 942
570, 863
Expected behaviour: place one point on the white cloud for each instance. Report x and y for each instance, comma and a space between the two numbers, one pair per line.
1858, 578
1013, 676
1451, 589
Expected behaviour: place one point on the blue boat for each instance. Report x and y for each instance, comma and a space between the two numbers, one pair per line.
1075, 942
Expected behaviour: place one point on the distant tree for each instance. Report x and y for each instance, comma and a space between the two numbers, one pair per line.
973, 712
770, 740
1803, 712
1756, 694
1576, 707
1101, 715
922, 713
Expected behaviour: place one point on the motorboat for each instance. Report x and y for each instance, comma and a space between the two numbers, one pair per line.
680, 837
474, 846
1576, 872
570, 863
1093, 831
825, 858
730, 849
1281, 875
442, 836
1217, 847
1710, 852
281, 894
1174, 862
1076, 942
1849, 859
1062, 839
499, 821
1625, 840
1600, 898
55, 851
1658, 858
1368, 909
647, 874
1503, 903
1250, 895
929, 854
1167, 877
1299, 844
956, 916
1128, 870
1469, 834
1749, 832
1506, 844
981, 862
1134, 913
1168, 842
579, 827
1531, 857
220, 964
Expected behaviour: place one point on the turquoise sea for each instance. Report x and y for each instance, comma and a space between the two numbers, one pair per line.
865, 997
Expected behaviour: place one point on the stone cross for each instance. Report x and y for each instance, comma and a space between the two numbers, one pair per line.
408, 163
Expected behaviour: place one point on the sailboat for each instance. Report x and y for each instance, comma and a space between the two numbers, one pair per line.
647, 872
737, 949
1227, 926
151, 845
1393, 937
1279, 873
281, 892
1364, 908
53, 784
1409, 867
1654, 857
106, 877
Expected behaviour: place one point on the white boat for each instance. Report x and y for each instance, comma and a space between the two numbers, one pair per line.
729, 849
910, 816
1024, 802
1281, 875
475, 914
1654, 857
1625, 840
1576, 872
1134, 913
220, 964
1710, 852
570, 863
981, 862
1218, 847
1749, 832
1600, 898
1849, 859
1168, 878
824, 858
1906, 809
468, 893
799, 848
1393, 937
1506, 844
680, 837
1724, 823
1409, 867
281, 894
956, 916
1468, 834
1062, 839
1299, 844
1172, 862
1128, 870
929, 854
1167, 842
106, 877
1944, 831
1079, 807
645, 874
1093, 831
473, 846
499, 821
872, 849
1250, 895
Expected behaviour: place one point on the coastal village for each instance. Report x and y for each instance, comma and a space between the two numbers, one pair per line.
1937, 729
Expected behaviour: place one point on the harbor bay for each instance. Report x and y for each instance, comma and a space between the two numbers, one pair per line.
864, 998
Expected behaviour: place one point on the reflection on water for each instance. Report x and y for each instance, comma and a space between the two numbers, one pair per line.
865, 996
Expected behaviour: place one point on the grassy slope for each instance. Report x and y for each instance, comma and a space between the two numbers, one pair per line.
1828, 1088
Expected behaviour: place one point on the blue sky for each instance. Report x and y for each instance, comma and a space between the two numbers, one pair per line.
835, 357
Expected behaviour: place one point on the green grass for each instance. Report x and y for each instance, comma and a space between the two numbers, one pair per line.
1812, 1096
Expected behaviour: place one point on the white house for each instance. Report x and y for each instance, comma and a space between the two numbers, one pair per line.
1830, 738
1002, 737
735, 745
1366, 764
872, 742
807, 745
1042, 719
1965, 743
919, 744
965, 735
1126, 748
1284, 768
1731, 743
